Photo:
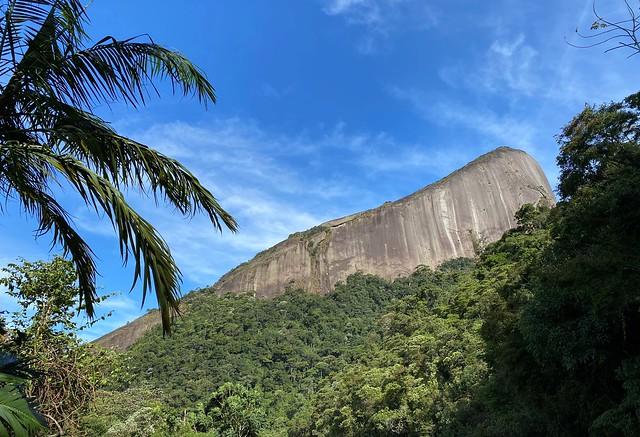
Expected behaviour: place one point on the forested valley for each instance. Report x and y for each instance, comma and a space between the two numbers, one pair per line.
536, 336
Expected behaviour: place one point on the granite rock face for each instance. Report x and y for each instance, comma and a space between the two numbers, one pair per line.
451, 218
454, 217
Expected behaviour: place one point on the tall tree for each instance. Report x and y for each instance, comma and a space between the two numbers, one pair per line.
563, 335
51, 79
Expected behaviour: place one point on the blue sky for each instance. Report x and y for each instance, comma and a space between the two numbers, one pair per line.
328, 107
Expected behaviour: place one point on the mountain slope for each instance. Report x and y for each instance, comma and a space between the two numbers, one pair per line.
451, 218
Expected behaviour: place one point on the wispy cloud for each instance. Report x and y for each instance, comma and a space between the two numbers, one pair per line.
532, 131
501, 129
509, 64
271, 91
382, 18
117, 310
522, 59
274, 184
384, 14
204, 254
519, 81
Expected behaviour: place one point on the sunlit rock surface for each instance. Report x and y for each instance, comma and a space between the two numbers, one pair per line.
451, 218
454, 217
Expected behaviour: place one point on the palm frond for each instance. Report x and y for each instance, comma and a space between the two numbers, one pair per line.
121, 160
16, 417
27, 175
113, 69
130, 163
56, 65
28, 24
48, 133
154, 266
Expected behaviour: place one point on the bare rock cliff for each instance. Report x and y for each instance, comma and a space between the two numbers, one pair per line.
451, 218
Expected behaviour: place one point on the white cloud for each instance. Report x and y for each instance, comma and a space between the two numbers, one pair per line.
501, 129
336, 7
273, 184
204, 254
509, 65
270, 91
531, 131
383, 14
118, 310
437, 160
102, 327
365, 12
120, 302
521, 81
381, 18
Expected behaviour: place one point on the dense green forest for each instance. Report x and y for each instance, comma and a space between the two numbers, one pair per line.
296, 350
537, 336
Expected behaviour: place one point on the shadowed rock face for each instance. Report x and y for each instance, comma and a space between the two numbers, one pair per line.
451, 218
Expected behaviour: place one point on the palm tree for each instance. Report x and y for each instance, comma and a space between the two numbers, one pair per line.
51, 78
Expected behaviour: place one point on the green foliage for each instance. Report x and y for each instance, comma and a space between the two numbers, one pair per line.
62, 374
46, 294
284, 344
15, 413
232, 410
235, 411
288, 355
538, 336
133, 412
52, 79
563, 336
409, 383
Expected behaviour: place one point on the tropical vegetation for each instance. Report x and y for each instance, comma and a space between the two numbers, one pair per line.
537, 336
51, 80
42, 357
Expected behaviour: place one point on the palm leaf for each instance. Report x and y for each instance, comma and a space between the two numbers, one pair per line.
154, 265
113, 69
27, 176
27, 24
130, 163
16, 417
110, 70
49, 135
123, 161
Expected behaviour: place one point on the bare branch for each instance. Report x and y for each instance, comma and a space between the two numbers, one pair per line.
623, 33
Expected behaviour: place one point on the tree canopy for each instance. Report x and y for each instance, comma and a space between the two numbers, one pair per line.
536, 336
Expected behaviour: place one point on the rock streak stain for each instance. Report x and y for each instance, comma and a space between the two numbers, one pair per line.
450, 218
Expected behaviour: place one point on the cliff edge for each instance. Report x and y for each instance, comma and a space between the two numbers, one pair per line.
454, 217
